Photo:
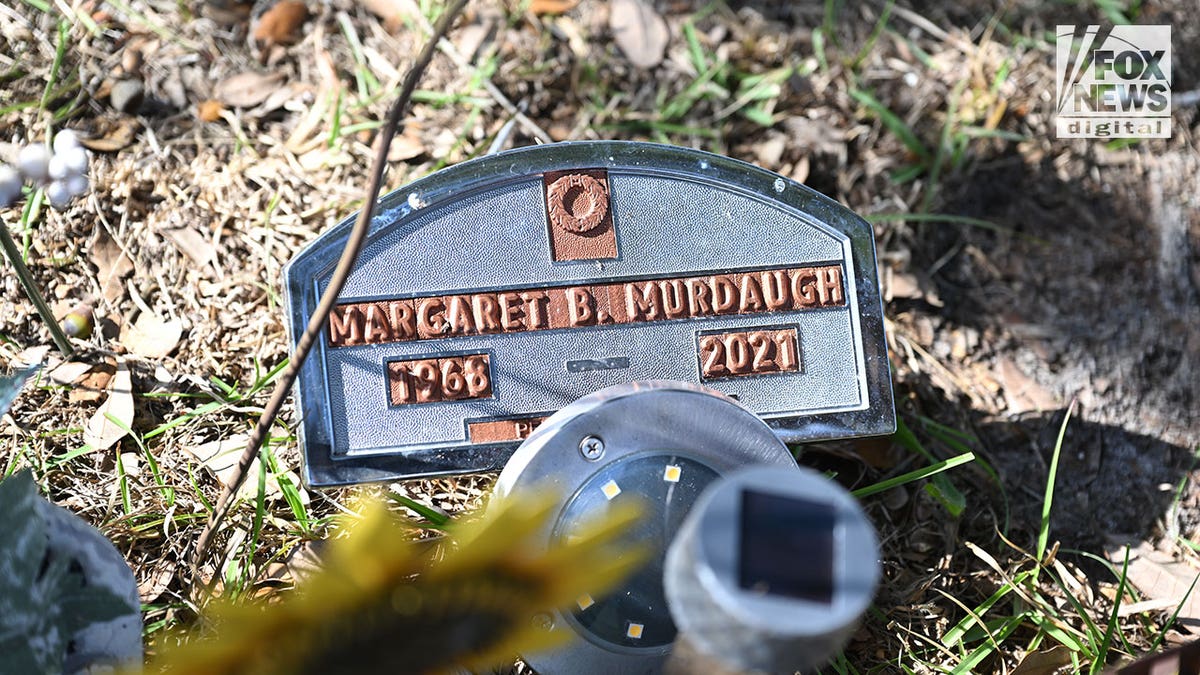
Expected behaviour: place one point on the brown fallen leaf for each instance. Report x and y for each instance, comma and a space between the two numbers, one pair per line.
404, 147
112, 265
639, 31
114, 417
281, 24
110, 134
1054, 661
151, 337
192, 244
210, 110
246, 90
1160, 577
221, 457
391, 11
92, 386
70, 372
153, 579
540, 7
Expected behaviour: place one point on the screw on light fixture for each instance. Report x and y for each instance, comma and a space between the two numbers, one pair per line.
592, 448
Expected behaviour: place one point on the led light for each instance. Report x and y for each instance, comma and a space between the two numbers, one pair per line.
611, 489
664, 443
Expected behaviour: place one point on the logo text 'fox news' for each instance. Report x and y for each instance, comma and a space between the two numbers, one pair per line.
1114, 83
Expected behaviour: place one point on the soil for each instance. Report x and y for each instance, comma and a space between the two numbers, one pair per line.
1078, 288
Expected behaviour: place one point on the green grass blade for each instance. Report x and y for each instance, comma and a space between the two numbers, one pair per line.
1048, 501
437, 519
893, 123
911, 476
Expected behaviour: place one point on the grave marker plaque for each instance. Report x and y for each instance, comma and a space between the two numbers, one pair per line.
493, 293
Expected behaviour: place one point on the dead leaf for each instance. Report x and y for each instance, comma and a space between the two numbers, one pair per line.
1021, 392
246, 90
112, 265
192, 244
114, 418
391, 11
70, 372
284, 97
1160, 577
540, 7
91, 387
1055, 661
110, 134
151, 337
280, 25
31, 356
221, 457
154, 579
639, 31
210, 110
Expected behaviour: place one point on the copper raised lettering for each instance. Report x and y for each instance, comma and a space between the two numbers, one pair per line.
803, 288
739, 353
698, 292
402, 319
674, 295
557, 307
426, 380
764, 352
377, 328
775, 289
431, 323
511, 311
400, 388
725, 294
458, 316
751, 299
453, 382
643, 301
581, 307
712, 357
345, 326
487, 312
829, 285
477, 370
536, 303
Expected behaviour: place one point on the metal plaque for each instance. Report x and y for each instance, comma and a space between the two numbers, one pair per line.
491, 294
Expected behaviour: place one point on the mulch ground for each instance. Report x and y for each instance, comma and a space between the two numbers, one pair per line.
222, 147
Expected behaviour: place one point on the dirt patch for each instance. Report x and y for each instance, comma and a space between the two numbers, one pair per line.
1079, 280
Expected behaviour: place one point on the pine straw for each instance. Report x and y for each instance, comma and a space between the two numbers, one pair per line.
245, 193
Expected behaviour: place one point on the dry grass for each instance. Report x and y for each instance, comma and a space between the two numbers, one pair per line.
889, 111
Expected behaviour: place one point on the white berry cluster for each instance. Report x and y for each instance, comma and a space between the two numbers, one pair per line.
63, 172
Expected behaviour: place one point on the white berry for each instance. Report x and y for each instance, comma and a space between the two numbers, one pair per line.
65, 140
59, 194
75, 157
76, 184
58, 168
10, 185
34, 162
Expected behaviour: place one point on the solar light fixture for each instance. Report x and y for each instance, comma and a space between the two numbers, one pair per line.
771, 570
662, 444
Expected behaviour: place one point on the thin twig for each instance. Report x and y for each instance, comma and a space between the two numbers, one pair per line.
35, 296
345, 264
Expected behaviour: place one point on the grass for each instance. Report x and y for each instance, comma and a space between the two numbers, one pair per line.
1010, 594
1037, 605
